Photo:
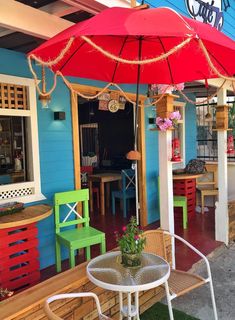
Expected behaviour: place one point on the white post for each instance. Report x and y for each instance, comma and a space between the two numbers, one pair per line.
166, 184
221, 211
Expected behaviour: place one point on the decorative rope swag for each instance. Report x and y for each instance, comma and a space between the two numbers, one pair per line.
161, 57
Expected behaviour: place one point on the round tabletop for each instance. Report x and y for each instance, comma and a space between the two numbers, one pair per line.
184, 176
25, 216
106, 271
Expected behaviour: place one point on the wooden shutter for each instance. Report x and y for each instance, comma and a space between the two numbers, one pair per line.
13, 97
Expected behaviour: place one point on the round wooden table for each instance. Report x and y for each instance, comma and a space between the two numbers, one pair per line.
19, 255
184, 184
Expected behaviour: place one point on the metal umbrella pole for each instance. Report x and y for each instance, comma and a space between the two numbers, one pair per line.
136, 119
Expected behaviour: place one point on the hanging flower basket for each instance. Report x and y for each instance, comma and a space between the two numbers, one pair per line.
168, 123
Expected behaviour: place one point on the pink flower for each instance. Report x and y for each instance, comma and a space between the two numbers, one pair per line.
175, 115
163, 124
136, 237
124, 228
179, 86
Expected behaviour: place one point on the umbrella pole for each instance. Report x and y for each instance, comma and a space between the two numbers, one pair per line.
136, 119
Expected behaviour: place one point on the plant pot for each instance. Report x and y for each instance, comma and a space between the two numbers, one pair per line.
131, 260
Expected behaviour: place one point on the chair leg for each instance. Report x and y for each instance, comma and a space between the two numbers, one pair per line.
71, 258
202, 202
213, 300
58, 256
185, 215
103, 246
98, 199
88, 253
124, 207
169, 301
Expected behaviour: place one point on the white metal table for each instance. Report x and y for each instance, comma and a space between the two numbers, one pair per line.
106, 271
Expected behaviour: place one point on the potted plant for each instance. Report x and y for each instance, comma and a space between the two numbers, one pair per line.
131, 243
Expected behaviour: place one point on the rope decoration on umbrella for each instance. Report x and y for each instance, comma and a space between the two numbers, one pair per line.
202, 101
161, 57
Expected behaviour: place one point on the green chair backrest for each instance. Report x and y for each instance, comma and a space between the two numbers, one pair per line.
72, 199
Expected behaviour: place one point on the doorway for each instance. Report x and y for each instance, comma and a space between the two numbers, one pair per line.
112, 138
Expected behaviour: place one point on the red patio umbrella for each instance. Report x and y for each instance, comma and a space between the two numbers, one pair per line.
124, 39
139, 35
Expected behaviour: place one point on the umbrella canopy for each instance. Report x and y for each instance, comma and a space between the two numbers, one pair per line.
138, 35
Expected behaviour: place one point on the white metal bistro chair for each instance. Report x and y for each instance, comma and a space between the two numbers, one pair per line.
52, 316
179, 282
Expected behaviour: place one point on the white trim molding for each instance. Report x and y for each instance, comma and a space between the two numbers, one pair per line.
25, 191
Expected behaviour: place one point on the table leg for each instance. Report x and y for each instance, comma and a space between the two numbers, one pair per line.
129, 311
169, 301
137, 305
102, 197
90, 195
129, 306
107, 195
120, 305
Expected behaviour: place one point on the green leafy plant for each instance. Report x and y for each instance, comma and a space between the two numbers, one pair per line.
131, 240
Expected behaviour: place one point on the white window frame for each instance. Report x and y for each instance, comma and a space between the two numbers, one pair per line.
181, 128
33, 146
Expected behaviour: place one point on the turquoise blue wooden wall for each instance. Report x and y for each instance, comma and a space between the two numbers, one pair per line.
55, 148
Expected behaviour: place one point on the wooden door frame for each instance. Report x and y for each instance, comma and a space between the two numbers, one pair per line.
91, 90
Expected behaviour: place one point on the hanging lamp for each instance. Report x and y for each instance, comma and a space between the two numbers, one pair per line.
230, 145
44, 97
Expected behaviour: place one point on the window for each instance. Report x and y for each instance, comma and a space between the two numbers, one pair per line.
207, 148
19, 153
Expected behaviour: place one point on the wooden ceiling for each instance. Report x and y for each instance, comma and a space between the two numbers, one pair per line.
23, 42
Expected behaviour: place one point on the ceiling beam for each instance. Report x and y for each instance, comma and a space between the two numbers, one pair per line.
96, 6
59, 9
117, 3
218, 82
90, 6
19, 17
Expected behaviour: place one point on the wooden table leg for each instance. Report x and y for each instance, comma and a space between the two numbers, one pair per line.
102, 198
107, 195
90, 195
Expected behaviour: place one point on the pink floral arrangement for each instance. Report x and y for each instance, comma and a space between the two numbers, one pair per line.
167, 123
131, 240
167, 88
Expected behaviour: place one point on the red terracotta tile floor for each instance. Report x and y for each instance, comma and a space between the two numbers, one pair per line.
200, 233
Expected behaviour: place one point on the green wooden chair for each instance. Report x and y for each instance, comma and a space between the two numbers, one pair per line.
78, 237
179, 201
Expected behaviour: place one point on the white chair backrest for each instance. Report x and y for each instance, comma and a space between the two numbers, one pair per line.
52, 316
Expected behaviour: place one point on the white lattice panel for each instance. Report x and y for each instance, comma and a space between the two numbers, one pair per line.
9, 194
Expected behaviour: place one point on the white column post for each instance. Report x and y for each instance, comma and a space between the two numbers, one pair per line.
166, 184
221, 211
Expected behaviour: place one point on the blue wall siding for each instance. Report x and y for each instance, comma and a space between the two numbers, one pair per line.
190, 131
55, 148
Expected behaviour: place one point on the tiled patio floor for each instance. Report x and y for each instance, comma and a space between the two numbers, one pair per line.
200, 233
